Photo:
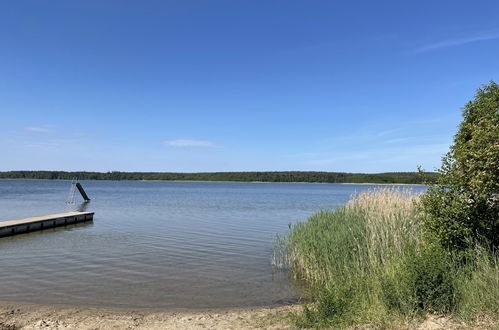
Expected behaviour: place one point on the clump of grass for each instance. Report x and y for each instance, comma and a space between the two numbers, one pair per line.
280, 255
369, 231
341, 255
477, 286
367, 263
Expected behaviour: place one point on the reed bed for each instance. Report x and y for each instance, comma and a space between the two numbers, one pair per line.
369, 231
367, 263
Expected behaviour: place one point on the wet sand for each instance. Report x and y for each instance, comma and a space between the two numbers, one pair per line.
35, 316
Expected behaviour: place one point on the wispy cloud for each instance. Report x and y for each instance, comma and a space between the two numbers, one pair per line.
191, 143
482, 36
41, 129
50, 143
397, 140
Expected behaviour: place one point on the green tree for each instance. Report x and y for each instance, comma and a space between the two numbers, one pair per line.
463, 206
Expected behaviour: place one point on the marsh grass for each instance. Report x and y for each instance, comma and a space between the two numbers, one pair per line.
367, 263
356, 239
477, 286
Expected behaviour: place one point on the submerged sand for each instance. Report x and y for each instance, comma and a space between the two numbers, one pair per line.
34, 316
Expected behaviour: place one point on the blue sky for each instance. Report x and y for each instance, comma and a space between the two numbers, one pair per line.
355, 86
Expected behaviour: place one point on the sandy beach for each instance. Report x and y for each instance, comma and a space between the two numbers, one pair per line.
14, 316
35, 316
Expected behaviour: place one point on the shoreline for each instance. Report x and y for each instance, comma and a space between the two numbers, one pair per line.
16, 315
31, 316
263, 182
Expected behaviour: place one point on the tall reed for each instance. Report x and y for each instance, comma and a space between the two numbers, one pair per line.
340, 255
367, 232
367, 262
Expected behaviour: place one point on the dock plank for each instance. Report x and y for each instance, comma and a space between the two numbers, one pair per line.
14, 227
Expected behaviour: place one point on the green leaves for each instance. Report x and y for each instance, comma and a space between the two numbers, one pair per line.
462, 208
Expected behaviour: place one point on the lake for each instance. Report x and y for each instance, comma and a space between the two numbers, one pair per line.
157, 244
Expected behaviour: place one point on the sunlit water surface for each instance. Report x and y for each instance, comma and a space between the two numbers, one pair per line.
157, 244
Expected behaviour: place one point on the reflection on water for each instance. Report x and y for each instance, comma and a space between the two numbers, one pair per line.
82, 207
156, 244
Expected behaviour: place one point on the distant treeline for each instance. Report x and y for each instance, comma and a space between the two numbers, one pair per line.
288, 176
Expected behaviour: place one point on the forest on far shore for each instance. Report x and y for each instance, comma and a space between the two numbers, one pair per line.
277, 176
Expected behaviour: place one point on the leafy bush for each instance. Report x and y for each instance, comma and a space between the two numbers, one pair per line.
431, 280
329, 310
462, 208
424, 281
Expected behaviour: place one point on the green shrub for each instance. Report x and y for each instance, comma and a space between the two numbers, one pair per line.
328, 311
462, 208
424, 281
431, 280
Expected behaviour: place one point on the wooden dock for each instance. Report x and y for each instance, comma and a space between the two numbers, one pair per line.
14, 227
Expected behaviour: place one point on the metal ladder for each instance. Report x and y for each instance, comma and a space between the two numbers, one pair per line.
72, 192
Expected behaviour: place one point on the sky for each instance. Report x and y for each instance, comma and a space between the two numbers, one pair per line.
236, 85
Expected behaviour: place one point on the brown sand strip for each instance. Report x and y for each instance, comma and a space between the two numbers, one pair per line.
33, 316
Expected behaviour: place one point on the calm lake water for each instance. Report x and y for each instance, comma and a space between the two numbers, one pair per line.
156, 244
